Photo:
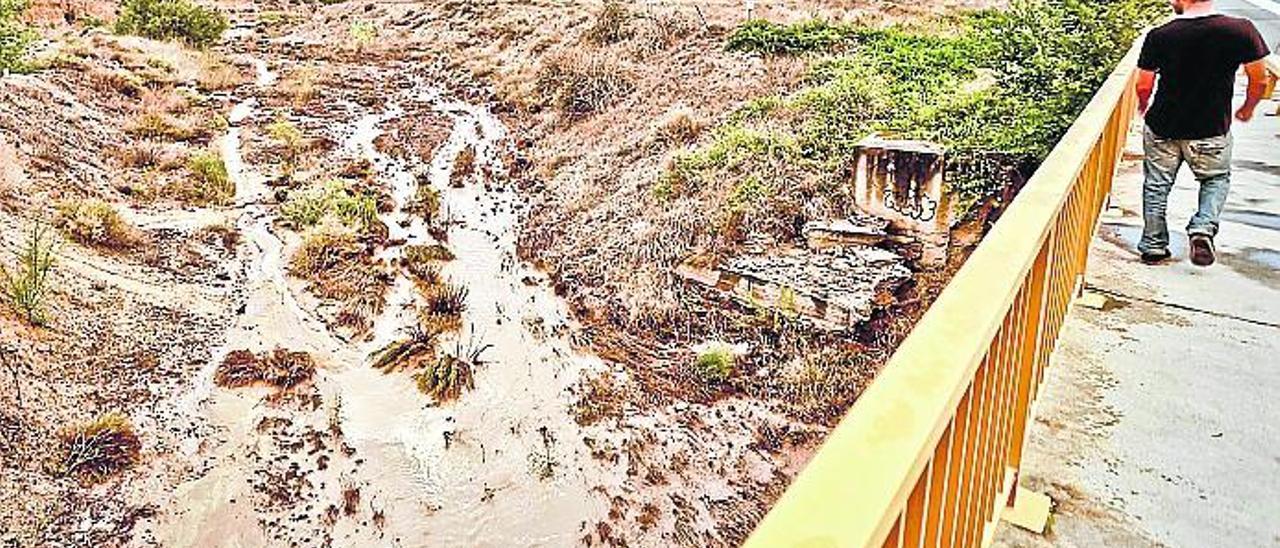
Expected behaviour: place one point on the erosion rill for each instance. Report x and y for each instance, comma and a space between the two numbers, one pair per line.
282, 465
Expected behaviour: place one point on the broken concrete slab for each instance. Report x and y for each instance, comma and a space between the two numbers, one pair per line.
833, 290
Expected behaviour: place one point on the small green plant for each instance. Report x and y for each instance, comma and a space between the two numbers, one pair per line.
181, 20
26, 284
333, 199
99, 449
96, 223
290, 138
212, 183
363, 33
715, 364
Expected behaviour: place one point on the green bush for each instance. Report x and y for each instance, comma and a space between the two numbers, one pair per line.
715, 364
991, 85
310, 205
172, 20
14, 36
760, 36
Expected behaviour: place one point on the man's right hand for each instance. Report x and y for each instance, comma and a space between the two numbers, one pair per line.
1244, 114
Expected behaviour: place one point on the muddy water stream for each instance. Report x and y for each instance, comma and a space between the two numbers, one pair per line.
504, 465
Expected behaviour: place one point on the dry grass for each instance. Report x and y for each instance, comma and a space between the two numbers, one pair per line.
99, 449
221, 233
580, 84
279, 368
340, 268
216, 74
302, 85
680, 126
96, 223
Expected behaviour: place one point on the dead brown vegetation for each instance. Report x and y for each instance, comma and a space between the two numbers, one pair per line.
279, 368
95, 451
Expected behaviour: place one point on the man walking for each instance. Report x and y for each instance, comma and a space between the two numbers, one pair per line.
1194, 58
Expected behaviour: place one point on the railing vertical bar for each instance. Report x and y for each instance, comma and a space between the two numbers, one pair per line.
956, 477
938, 491
917, 509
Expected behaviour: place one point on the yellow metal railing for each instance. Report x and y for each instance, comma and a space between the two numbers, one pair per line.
929, 454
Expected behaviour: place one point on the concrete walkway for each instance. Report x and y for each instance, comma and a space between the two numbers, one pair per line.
1159, 423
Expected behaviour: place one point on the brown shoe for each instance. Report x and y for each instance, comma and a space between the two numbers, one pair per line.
1202, 253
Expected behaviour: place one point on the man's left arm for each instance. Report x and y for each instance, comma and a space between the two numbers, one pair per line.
1254, 49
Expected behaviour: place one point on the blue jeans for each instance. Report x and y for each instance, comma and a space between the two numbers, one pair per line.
1209, 160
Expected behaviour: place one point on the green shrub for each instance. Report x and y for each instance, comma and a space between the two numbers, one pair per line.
310, 205
996, 87
760, 36
714, 364
14, 36
26, 284
172, 20
212, 183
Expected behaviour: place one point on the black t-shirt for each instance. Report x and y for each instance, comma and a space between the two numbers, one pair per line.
1196, 59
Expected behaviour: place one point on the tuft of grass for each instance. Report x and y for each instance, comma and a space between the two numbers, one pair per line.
181, 20
99, 449
211, 184
678, 127
26, 285
426, 253
610, 25
580, 85
446, 300
161, 125
279, 368
715, 364
290, 138
218, 75
453, 373
330, 199
95, 223
324, 248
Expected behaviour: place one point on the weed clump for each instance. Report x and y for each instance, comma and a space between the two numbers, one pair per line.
172, 20
95, 223
446, 378
331, 199
715, 364
279, 368
26, 285
99, 449
445, 303
211, 184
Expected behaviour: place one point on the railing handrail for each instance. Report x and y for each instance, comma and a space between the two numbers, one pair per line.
854, 489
